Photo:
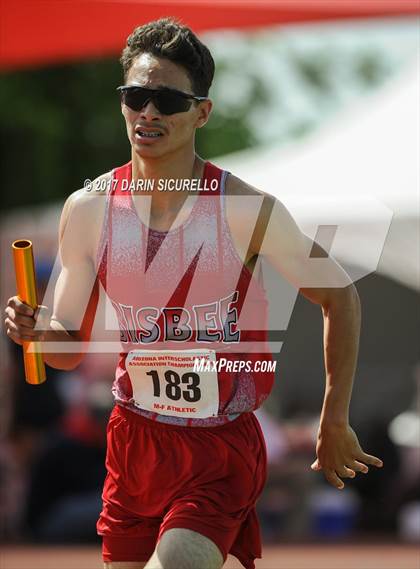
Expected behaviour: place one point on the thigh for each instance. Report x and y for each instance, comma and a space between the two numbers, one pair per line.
125, 565
185, 549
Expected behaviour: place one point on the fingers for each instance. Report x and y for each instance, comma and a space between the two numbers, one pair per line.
330, 474
370, 459
22, 325
345, 472
20, 307
334, 475
13, 335
18, 318
21, 334
316, 466
20, 322
359, 467
333, 479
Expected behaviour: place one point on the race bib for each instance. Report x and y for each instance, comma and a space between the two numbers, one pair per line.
164, 381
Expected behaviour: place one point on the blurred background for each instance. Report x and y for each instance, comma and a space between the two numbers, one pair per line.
315, 102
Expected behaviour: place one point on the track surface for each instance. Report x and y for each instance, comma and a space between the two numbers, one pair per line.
278, 557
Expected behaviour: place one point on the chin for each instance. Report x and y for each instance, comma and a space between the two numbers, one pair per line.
145, 151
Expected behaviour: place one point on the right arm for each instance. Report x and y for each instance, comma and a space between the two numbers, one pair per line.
76, 293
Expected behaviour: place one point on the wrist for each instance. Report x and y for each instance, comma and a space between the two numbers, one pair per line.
331, 424
331, 418
336, 405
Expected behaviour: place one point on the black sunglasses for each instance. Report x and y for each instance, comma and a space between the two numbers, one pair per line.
167, 101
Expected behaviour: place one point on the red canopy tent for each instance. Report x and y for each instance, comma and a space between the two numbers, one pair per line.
37, 32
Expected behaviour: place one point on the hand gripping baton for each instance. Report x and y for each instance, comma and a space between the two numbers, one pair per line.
26, 290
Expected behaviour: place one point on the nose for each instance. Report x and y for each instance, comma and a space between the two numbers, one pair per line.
149, 112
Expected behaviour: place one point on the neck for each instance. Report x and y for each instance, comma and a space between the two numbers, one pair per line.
177, 166
184, 164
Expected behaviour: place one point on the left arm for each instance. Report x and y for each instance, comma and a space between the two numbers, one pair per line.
339, 454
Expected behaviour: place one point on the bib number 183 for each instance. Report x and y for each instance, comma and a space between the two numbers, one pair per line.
166, 382
185, 386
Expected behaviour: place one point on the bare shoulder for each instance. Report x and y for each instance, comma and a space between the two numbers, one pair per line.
246, 200
272, 207
90, 196
87, 202
261, 216
82, 217
244, 215
237, 187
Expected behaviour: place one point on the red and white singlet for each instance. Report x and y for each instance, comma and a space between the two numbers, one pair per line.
181, 295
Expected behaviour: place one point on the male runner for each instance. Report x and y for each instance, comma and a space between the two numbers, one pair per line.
186, 458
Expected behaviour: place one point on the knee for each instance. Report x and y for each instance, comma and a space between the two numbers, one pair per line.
185, 549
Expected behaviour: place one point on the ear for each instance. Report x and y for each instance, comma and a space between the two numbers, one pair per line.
204, 110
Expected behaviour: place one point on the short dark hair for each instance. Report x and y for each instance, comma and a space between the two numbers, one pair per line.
169, 39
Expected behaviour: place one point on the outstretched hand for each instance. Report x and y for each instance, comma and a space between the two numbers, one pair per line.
339, 455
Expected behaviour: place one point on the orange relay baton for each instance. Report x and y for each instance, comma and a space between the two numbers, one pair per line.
26, 290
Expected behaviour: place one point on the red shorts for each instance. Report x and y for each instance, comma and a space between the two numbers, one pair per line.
162, 476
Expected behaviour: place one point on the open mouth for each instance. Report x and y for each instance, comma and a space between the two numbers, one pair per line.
148, 134
140, 133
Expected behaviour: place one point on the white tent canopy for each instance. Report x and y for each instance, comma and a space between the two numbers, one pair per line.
358, 172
